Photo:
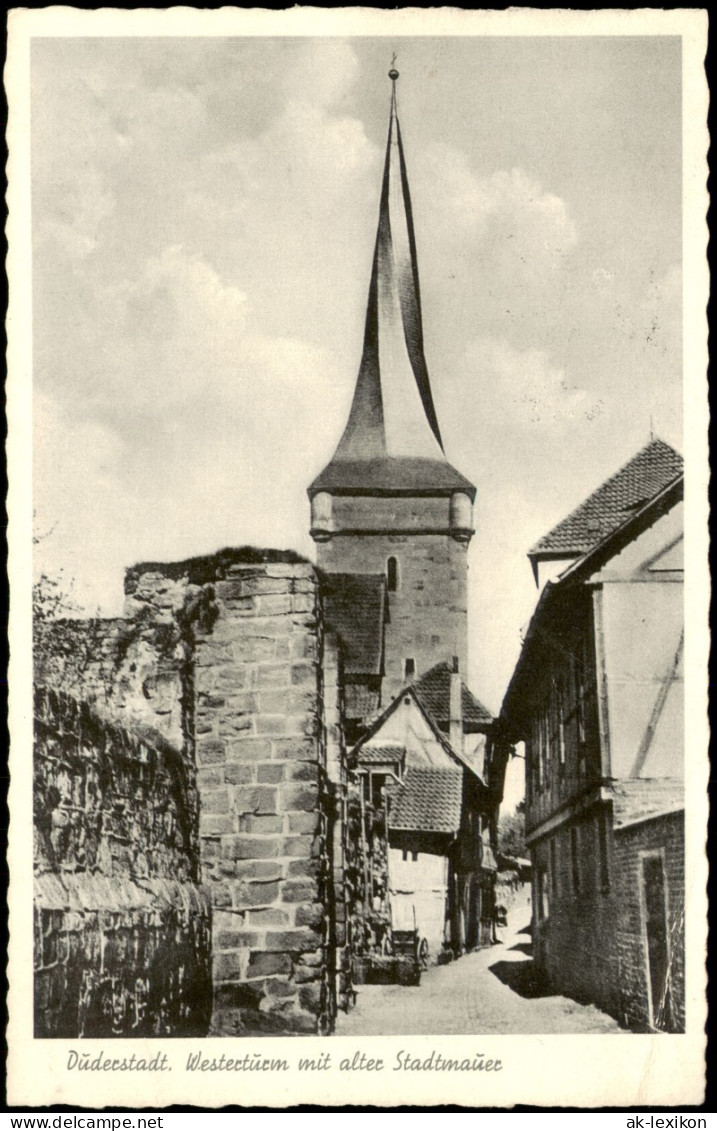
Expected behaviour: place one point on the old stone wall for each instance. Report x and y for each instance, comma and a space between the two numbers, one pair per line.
589, 925
122, 928
254, 719
225, 659
574, 913
665, 836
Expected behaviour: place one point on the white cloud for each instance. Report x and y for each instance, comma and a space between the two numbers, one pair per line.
524, 388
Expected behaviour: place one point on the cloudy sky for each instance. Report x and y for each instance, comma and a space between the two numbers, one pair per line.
204, 212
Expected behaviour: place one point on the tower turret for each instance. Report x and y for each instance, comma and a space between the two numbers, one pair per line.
389, 501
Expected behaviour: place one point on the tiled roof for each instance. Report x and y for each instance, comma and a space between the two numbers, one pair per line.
355, 607
434, 691
428, 800
639, 799
380, 753
614, 502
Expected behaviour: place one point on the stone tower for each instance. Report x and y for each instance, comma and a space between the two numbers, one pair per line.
389, 502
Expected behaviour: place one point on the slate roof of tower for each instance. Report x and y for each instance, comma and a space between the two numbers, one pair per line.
434, 691
647, 473
392, 441
428, 800
356, 608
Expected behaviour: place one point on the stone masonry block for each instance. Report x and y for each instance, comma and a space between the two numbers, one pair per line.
274, 627
303, 822
310, 915
249, 749
259, 870
268, 917
299, 846
271, 702
259, 799
255, 894
253, 847
305, 724
304, 646
279, 988
215, 801
237, 773
304, 974
313, 958
230, 678
227, 967
270, 772
302, 771
273, 675
301, 701
303, 603
209, 848
292, 941
209, 776
249, 823
209, 701
234, 940
254, 648
262, 583
304, 868
221, 895
304, 675
310, 996
296, 749
302, 796
275, 604
262, 965
231, 725
299, 891
210, 751
271, 724
242, 703
212, 824
211, 654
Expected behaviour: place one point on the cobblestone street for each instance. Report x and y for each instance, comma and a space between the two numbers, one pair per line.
489, 991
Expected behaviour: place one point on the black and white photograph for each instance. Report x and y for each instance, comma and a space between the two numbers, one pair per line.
367, 460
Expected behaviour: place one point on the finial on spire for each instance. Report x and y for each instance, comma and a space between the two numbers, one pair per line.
393, 73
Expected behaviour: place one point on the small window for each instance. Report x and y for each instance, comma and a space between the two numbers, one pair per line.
392, 575
410, 668
404, 854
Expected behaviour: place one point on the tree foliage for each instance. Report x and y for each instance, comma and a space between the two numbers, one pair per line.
511, 833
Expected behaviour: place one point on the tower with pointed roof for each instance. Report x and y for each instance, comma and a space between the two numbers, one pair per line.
389, 502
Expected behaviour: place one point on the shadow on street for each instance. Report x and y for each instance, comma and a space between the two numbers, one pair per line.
520, 977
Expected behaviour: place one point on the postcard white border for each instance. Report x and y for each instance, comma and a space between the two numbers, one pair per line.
584, 1071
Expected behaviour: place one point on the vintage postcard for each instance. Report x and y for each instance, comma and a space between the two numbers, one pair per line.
358, 511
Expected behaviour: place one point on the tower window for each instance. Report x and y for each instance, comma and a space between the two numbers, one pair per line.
410, 668
392, 575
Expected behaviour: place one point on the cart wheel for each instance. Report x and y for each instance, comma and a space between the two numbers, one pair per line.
423, 954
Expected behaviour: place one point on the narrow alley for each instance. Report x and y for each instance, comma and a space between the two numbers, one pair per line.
492, 990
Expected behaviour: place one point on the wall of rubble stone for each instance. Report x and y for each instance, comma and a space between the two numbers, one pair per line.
122, 928
223, 657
